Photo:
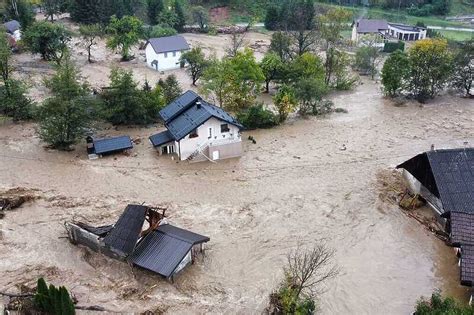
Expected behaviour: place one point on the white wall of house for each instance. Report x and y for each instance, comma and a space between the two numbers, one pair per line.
166, 61
209, 132
354, 33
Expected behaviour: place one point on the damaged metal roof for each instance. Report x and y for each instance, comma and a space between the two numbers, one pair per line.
109, 145
163, 250
126, 232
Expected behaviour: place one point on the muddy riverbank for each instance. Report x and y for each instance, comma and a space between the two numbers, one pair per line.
296, 185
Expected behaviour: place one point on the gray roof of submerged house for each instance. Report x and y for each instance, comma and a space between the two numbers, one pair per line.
185, 114
408, 28
461, 228
447, 174
126, 232
109, 145
467, 265
371, 26
178, 105
12, 26
168, 43
163, 250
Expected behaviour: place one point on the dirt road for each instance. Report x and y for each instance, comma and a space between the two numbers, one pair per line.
294, 186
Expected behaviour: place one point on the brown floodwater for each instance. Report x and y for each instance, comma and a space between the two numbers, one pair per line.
295, 186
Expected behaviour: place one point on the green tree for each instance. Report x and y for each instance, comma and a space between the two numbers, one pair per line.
197, 63
300, 25
272, 18
54, 7
285, 101
161, 31
395, 72
272, 68
92, 11
167, 18
170, 88
463, 72
90, 33
125, 32
52, 300
64, 117
180, 17
430, 68
234, 81
154, 8
366, 60
20, 10
48, 39
437, 305
281, 45
200, 17
125, 104
306, 66
14, 103
310, 92
257, 116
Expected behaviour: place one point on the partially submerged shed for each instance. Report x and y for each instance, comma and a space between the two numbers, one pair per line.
104, 146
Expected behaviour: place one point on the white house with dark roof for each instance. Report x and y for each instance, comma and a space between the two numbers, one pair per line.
406, 32
198, 130
386, 31
164, 53
13, 32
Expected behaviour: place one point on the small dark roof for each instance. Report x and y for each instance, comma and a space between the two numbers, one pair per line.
12, 26
161, 138
405, 27
447, 174
163, 250
168, 43
97, 230
195, 116
467, 265
371, 26
462, 228
109, 145
182, 234
178, 105
126, 231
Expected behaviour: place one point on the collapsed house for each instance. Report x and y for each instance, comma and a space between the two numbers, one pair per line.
161, 247
445, 179
198, 131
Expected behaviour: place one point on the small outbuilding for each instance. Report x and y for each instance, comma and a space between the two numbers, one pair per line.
104, 146
386, 31
406, 32
164, 53
13, 29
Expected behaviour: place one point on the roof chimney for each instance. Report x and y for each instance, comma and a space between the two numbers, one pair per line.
198, 104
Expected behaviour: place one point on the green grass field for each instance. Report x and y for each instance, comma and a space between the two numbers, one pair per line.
457, 35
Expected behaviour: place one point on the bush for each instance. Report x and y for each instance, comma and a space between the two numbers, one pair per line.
391, 47
317, 108
257, 116
437, 305
52, 300
162, 31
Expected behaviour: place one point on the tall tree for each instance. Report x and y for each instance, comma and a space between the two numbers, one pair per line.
430, 68
285, 101
154, 8
125, 33
65, 116
395, 72
20, 10
272, 68
48, 39
197, 63
300, 24
90, 33
463, 73
54, 7
180, 17
170, 88
200, 17
272, 21
281, 45
91, 11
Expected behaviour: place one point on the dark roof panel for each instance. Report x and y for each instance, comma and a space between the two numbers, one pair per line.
115, 144
184, 235
178, 105
12, 26
160, 253
126, 231
169, 43
462, 228
161, 138
407, 27
467, 265
371, 26
448, 174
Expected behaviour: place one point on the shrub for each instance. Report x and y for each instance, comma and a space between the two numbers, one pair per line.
257, 116
52, 300
162, 31
391, 47
439, 305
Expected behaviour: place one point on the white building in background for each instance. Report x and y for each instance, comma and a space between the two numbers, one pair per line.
164, 53
406, 32
386, 31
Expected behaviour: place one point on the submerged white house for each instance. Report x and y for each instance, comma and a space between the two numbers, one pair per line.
164, 53
198, 131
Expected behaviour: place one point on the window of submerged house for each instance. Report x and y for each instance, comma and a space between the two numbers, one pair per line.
194, 134
225, 128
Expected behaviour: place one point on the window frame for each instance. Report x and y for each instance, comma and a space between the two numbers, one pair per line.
193, 134
225, 129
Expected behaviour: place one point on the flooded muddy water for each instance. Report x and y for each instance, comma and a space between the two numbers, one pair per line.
296, 186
